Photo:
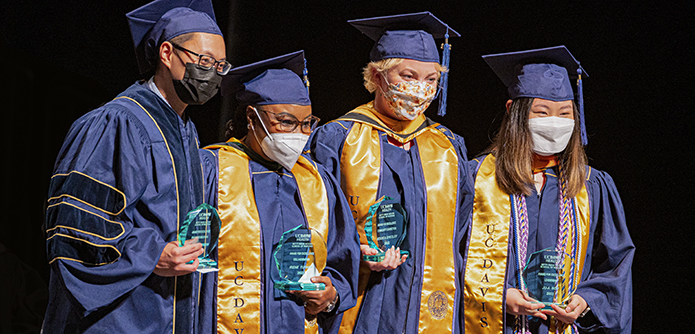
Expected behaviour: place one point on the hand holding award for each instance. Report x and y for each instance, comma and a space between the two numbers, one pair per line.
385, 228
545, 275
202, 225
299, 256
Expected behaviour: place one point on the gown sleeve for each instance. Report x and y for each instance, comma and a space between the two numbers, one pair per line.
326, 143
94, 246
208, 286
342, 264
209, 161
466, 189
464, 211
607, 282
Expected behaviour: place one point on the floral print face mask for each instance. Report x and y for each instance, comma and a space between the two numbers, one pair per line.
409, 99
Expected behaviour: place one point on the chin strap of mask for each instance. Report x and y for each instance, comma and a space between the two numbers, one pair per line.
580, 102
444, 79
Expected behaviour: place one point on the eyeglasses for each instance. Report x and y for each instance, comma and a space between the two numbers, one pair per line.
207, 62
288, 122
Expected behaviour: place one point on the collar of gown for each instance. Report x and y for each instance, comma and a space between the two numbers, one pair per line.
400, 127
541, 163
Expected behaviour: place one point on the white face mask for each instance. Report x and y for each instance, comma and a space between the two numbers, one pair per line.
283, 148
550, 134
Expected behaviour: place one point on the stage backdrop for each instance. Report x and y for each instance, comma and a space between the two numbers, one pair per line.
61, 59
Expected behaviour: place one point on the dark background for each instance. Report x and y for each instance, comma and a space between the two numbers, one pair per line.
61, 59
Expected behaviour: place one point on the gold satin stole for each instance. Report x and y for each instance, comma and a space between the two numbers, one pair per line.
361, 163
239, 247
486, 264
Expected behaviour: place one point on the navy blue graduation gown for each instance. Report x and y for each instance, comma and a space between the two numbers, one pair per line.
606, 282
279, 208
125, 177
391, 303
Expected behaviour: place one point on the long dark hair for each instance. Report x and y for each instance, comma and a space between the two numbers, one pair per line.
513, 149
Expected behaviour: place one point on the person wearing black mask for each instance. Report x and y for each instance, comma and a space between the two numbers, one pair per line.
125, 178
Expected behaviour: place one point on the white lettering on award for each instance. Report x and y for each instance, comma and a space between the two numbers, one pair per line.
543, 270
202, 225
299, 255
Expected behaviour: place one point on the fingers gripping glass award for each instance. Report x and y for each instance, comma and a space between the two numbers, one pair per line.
385, 227
545, 276
202, 225
299, 256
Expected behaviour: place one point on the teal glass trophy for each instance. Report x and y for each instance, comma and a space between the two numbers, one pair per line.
202, 225
385, 227
299, 256
543, 270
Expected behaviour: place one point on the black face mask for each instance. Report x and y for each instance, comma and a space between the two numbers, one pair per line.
198, 85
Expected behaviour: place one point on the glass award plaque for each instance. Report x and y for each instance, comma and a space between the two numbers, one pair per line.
541, 274
202, 225
385, 227
299, 256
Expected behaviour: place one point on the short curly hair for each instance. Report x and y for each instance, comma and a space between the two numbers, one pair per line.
381, 66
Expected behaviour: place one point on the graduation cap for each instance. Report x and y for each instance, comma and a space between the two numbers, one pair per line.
162, 20
541, 73
410, 36
279, 80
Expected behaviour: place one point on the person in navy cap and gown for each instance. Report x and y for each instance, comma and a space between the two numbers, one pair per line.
535, 192
264, 187
125, 178
388, 151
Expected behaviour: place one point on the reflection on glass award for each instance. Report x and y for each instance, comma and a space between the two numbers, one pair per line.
385, 227
202, 225
543, 270
299, 256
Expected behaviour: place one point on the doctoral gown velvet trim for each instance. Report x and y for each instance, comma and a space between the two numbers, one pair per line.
126, 176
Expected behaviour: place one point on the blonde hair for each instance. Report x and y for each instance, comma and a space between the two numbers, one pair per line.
382, 66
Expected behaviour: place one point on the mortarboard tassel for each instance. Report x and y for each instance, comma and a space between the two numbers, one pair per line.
444, 80
305, 77
580, 97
